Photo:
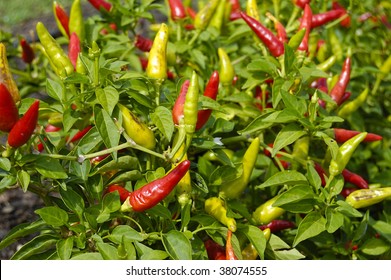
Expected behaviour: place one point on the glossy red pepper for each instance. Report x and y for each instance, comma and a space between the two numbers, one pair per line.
326, 17
80, 134
143, 44
339, 88
123, 193
214, 250
278, 225
28, 54
301, 3
272, 43
211, 91
24, 127
74, 48
305, 23
152, 193
100, 4
342, 135
8, 111
235, 10
177, 10
229, 251
177, 110
346, 21
355, 179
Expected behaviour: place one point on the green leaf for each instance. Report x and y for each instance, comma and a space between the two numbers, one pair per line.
332, 145
289, 58
106, 127
121, 163
287, 136
88, 256
278, 249
383, 228
293, 103
362, 228
256, 237
7, 181
126, 250
73, 201
298, 199
38, 245
125, 231
346, 209
54, 90
262, 65
334, 220
313, 176
258, 124
53, 215
289, 177
108, 98
50, 168
64, 248
375, 247
312, 225
177, 245
5, 164
107, 251
162, 118
23, 179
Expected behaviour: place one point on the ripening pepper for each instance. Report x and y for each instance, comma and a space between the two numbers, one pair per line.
177, 109
250, 252
6, 75
344, 154
123, 193
226, 71
217, 19
62, 19
229, 251
278, 225
234, 188
281, 32
339, 88
138, 131
24, 127
190, 107
157, 60
177, 10
367, 197
8, 111
266, 212
211, 91
204, 15
155, 191
215, 207
74, 49
76, 21
305, 24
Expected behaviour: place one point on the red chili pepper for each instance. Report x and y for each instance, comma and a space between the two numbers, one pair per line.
28, 54
152, 193
319, 169
214, 250
98, 4
342, 135
229, 251
177, 110
235, 10
323, 18
80, 134
123, 193
24, 127
346, 191
339, 89
274, 45
177, 10
8, 111
346, 95
74, 48
355, 179
346, 21
211, 91
278, 225
281, 32
143, 44
301, 3
62, 17
305, 23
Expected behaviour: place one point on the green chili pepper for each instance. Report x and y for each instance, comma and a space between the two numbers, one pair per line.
6, 76
227, 71
336, 47
76, 22
215, 207
157, 60
327, 64
352, 106
217, 19
384, 70
234, 188
367, 197
204, 15
252, 9
345, 152
138, 131
266, 212
296, 39
56, 55
190, 108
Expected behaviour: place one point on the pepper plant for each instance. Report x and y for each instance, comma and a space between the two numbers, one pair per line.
219, 129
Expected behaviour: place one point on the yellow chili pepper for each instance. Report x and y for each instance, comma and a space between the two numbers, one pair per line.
157, 60
6, 76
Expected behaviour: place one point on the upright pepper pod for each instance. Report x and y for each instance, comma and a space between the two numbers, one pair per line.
305, 24
215, 207
367, 197
8, 111
204, 15
24, 127
211, 91
74, 48
226, 71
272, 43
155, 191
281, 32
345, 152
76, 21
28, 54
138, 131
62, 19
157, 60
6, 75
177, 10
266, 212
217, 19
339, 88
177, 109
190, 108
234, 188
56, 55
